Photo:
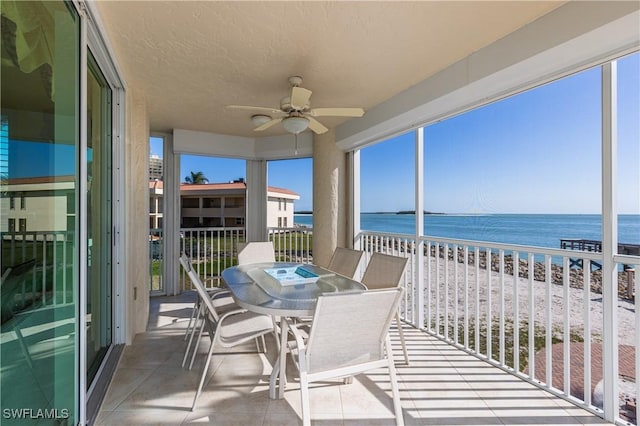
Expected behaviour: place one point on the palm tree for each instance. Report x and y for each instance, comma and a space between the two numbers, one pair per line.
196, 178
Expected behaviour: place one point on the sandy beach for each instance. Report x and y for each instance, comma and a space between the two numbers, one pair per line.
571, 299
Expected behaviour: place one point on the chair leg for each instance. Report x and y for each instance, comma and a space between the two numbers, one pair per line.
195, 349
402, 341
304, 396
191, 334
282, 358
196, 307
273, 380
204, 372
395, 390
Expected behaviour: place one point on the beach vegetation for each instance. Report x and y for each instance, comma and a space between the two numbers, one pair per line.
539, 338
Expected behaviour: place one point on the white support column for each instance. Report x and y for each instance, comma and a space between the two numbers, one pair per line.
609, 241
329, 197
256, 201
418, 275
353, 188
171, 215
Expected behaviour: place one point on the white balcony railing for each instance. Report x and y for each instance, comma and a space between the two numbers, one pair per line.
211, 250
214, 249
523, 309
292, 244
50, 282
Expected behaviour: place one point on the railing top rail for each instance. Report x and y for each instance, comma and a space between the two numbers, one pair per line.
213, 228
493, 245
385, 234
627, 260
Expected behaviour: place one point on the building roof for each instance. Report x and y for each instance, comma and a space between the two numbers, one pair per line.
187, 187
40, 180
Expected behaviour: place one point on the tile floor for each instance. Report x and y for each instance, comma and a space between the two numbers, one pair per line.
442, 386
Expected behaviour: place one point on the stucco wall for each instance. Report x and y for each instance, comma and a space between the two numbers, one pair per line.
273, 212
329, 197
137, 219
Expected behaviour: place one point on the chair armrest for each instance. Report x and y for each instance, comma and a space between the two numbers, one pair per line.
220, 293
231, 313
297, 334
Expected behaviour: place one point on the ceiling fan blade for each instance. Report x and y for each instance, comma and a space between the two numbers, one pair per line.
256, 108
268, 124
337, 112
316, 126
300, 97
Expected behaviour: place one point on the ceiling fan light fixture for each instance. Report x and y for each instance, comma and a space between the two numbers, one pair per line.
295, 125
259, 119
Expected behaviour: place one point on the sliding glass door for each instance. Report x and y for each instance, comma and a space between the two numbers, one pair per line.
39, 152
99, 223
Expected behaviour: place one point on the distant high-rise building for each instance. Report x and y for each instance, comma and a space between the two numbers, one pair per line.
155, 167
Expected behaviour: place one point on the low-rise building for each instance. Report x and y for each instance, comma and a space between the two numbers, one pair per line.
221, 205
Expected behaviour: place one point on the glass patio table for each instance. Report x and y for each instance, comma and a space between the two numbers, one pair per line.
283, 289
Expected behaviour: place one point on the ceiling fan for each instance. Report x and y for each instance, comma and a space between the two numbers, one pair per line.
295, 112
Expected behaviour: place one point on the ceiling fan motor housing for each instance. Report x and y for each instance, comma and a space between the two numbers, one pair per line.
285, 105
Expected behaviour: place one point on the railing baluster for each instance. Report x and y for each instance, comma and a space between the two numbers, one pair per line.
55, 267
548, 324
64, 266
456, 303
501, 305
466, 297
531, 350
516, 311
476, 258
429, 299
437, 257
586, 287
44, 269
566, 317
445, 257
487, 264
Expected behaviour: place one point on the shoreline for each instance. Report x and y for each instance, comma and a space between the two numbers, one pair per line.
576, 276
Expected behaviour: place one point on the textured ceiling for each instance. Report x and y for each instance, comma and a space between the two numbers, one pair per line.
192, 58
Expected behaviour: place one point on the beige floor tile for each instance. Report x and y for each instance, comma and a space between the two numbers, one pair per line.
363, 397
224, 419
441, 386
143, 417
125, 381
173, 388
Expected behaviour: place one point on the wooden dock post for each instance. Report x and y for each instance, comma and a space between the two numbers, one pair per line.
630, 282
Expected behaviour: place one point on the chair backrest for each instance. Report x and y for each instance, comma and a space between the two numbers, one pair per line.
256, 252
350, 328
199, 286
384, 271
345, 261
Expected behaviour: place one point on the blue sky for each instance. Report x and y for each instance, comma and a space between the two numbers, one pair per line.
535, 152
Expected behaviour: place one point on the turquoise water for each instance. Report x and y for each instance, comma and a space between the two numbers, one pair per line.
540, 230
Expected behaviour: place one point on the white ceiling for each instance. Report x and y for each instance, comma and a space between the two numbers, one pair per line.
191, 58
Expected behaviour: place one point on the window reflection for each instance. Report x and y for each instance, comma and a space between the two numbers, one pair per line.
38, 166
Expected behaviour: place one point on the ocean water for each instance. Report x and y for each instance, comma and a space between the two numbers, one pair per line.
539, 230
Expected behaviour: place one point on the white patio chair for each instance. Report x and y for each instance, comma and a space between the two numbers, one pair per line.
256, 252
228, 330
221, 299
386, 271
345, 261
349, 335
